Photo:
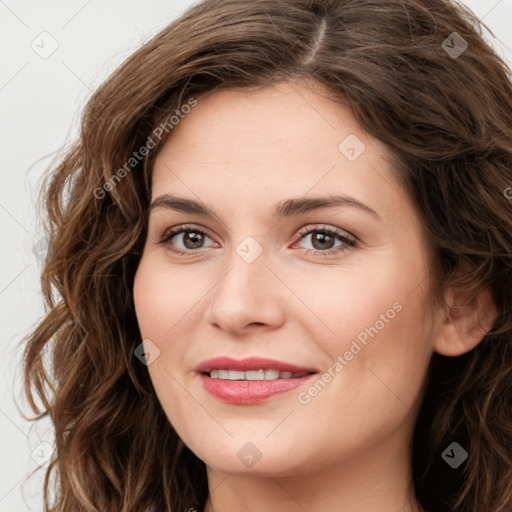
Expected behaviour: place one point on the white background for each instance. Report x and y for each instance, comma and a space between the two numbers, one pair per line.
40, 102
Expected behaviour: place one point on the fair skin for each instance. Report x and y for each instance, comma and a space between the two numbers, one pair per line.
240, 153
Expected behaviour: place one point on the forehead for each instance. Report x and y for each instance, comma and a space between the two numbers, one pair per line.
267, 123
287, 140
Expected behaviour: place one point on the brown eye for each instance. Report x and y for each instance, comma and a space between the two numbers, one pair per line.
323, 240
188, 238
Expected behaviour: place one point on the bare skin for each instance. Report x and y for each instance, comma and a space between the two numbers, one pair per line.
347, 446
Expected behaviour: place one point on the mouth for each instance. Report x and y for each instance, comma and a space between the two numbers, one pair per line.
261, 374
252, 380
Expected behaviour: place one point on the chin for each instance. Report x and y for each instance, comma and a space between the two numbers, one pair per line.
255, 458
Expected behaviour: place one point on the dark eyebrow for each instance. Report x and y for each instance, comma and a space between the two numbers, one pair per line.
287, 208
301, 205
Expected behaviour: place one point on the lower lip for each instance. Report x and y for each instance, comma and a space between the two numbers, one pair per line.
247, 392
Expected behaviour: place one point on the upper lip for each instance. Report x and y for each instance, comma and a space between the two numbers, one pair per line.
250, 363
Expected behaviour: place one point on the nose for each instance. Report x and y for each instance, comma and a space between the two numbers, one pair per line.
249, 296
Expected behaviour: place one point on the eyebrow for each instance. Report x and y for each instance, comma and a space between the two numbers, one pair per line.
287, 208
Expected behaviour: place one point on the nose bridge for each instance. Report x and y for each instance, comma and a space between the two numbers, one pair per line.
246, 293
247, 271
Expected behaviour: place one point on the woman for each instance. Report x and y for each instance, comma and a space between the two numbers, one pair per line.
209, 352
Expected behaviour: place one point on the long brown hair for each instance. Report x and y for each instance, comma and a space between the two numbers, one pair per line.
419, 77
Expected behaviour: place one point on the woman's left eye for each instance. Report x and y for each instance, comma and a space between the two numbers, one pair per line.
327, 236
324, 238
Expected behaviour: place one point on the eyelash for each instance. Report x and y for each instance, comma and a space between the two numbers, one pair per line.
347, 241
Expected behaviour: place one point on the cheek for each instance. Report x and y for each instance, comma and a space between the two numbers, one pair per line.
382, 362
163, 305
385, 348
347, 304
162, 297
378, 323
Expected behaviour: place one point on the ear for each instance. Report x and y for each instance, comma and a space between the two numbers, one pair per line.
465, 324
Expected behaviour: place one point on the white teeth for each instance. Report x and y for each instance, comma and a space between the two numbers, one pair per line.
254, 375
236, 375
271, 374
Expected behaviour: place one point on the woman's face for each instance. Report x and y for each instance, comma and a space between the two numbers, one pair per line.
349, 304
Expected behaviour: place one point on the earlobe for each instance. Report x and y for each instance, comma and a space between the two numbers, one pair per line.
465, 325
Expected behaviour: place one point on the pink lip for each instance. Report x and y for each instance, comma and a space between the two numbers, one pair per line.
246, 392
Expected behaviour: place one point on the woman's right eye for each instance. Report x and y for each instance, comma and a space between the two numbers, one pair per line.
190, 238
